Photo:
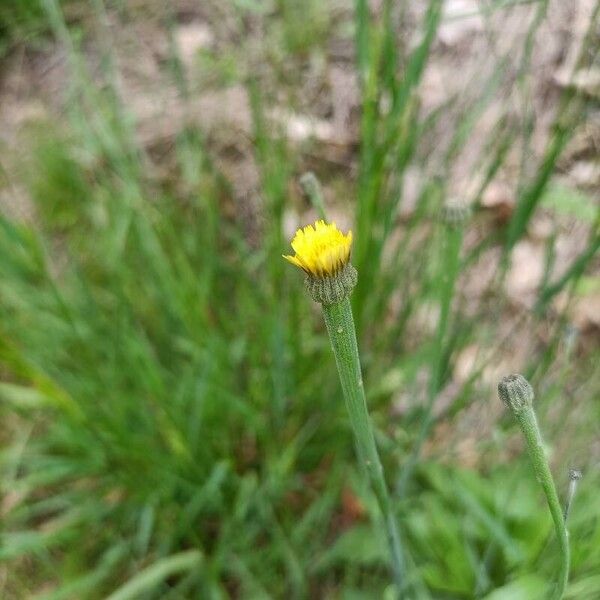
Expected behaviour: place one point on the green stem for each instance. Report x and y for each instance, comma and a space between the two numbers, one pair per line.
535, 447
449, 272
311, 186
340, 326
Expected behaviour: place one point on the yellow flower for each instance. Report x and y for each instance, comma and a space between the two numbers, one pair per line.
321, 250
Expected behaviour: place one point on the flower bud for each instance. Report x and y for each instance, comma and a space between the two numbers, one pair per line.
516, 392
575, 474
455, 212
310, 184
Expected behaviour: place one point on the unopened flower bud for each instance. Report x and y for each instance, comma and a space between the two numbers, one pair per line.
310, 184
516, 392
455, 212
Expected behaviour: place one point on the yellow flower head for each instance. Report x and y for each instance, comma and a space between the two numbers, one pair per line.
321, 249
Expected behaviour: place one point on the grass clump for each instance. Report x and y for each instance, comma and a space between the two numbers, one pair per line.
171, 425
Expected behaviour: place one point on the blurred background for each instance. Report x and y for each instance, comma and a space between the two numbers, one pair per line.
172, 424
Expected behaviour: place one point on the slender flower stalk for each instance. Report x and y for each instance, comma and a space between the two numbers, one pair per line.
323, 253
454, 218
517, 394
574, 476
312, 189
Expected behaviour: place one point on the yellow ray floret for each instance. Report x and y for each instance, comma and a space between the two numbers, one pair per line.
321, 249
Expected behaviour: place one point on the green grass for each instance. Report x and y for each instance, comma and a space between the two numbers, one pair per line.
172, 421
22, 21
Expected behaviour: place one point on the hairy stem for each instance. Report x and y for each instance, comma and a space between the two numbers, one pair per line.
340, 326
535, 447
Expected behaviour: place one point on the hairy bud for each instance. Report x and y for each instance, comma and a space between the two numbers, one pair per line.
455, 212
516, 392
